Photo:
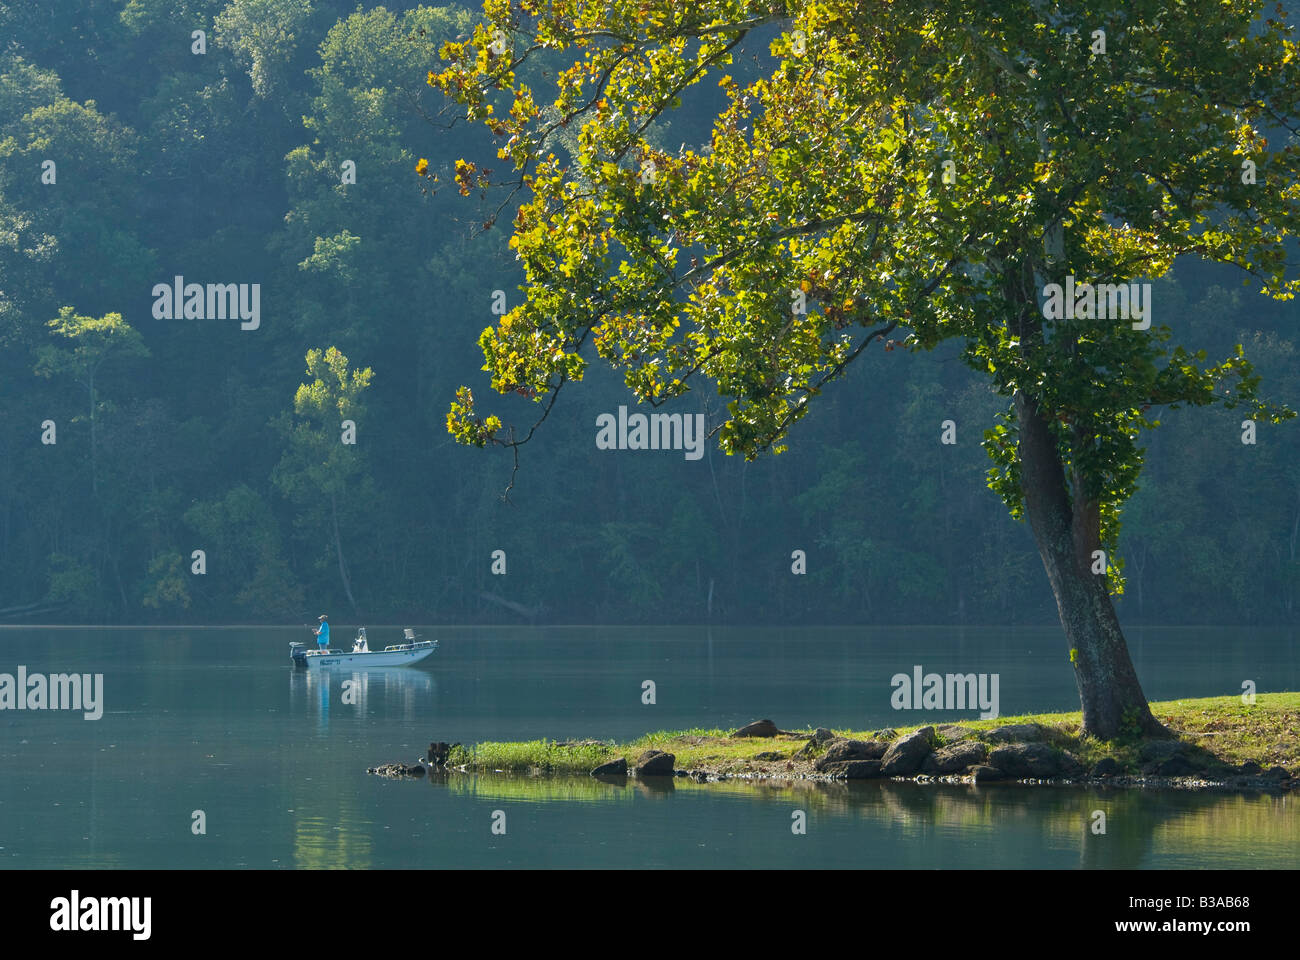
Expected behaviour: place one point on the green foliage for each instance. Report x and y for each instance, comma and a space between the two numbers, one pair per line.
166, 588
93, 342
822, 182
262, 33
1130, 726
240, 530
173, 163
74, 585
316, 462
24, 87
38, 123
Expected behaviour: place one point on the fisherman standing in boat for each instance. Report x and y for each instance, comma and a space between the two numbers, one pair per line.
323, 633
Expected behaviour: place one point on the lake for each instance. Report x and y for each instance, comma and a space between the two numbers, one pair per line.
219, 721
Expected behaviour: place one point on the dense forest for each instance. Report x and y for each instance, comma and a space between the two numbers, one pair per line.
280, 147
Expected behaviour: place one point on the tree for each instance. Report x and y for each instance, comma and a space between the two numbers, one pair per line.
245, 538
897, 175
166, 587
365, 242
56, 154
94, 342
262, 33
317, 462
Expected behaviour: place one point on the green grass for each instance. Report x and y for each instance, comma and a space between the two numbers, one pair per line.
1267, 732
531, 756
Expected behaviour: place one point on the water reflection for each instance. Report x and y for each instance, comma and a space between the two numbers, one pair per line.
394, 692
532, 789
332, 834
1000, 825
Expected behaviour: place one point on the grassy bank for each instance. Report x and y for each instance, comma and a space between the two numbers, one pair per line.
1266, 732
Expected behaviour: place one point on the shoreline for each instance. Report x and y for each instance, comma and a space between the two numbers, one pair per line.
1221, 744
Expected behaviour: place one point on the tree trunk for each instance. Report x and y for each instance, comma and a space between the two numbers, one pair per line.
1067, 533
338, 550
94, 470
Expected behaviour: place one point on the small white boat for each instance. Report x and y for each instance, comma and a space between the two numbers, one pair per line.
411, 650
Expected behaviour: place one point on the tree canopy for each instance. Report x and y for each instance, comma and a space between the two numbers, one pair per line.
1101, 140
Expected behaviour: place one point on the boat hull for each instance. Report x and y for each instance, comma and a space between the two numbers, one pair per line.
376, 658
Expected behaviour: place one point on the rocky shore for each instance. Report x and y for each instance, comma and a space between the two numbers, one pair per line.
1024, 753
1018, 753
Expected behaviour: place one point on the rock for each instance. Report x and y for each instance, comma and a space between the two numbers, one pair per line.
614, 768
853, 769
984, 773
395, 770
759, 728
953, 733
769, 755
1068, 765
820, 738
655, 763
1277, 773
905, 755
840, 750
888, 735
1035, 761
1106, 767
955, 757
439, 750
1017, 733
1250, 769
1168, 758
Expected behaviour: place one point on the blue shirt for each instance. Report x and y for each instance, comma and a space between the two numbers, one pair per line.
323, 637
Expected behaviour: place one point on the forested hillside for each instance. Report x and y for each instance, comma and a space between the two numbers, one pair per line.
285, 155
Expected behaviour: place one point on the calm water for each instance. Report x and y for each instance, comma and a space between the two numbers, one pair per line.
219, 721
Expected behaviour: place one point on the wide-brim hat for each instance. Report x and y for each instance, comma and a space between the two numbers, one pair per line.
322, 617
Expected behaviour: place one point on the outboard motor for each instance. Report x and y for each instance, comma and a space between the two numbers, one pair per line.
297, 651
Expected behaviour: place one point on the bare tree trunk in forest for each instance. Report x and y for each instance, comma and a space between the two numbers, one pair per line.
94, 467
338, 549
1288, 602
121, 590
1140, 569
